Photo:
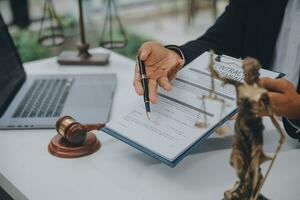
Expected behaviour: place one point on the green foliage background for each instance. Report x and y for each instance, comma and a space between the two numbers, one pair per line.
28, 47
134, 43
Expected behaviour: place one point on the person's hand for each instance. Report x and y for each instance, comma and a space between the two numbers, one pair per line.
285, 101
162, 65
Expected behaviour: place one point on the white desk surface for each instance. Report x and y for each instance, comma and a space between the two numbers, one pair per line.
117, 171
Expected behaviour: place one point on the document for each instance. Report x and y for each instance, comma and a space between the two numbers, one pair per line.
171, 133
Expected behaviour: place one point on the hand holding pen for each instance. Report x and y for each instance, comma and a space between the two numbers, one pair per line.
161, 64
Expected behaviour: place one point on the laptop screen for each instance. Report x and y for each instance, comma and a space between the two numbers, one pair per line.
12, 74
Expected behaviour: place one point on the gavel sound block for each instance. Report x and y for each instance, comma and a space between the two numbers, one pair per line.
74, 139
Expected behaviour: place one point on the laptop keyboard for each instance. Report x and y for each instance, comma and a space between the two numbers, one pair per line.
45, 98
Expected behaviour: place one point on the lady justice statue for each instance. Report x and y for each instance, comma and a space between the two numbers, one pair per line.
247, 148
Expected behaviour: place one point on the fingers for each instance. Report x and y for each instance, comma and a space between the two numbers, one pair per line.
276, 99
152, 84
276, 85
161, 76
164, 83
145, 50
181, 63
283, 97
168, 62
137, 82
173, 71
271, 85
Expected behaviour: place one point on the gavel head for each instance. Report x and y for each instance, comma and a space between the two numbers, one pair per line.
74, 132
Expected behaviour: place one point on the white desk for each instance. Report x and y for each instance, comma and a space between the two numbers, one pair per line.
117, 171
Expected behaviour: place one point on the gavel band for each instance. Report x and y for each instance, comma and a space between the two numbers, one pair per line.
65, 122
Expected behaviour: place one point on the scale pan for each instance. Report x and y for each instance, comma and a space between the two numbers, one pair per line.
113, 44
51, 40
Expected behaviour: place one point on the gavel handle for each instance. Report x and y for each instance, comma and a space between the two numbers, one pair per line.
91, 127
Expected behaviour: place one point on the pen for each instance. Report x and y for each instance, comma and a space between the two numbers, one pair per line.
144, 81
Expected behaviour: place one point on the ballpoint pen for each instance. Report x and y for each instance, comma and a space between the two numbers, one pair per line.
144, 81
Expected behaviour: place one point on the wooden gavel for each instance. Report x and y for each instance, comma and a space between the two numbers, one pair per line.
73, 139
74, 132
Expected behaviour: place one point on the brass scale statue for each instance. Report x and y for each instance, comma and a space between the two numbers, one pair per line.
247, 148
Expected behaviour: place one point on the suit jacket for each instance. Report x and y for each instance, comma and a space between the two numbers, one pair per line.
246, 28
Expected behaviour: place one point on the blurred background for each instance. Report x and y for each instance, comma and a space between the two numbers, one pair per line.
165, 21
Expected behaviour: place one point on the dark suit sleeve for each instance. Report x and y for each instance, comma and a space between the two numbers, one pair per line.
292, 127
226, 36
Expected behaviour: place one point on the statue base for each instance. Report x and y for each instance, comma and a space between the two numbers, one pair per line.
82, 57
73, 58
235, 196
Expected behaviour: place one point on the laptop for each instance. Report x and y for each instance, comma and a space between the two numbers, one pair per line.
37, 101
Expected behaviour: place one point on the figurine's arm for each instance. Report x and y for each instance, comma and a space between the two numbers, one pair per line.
229, 81
224, 80
274, 120
216, 75
266, 102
